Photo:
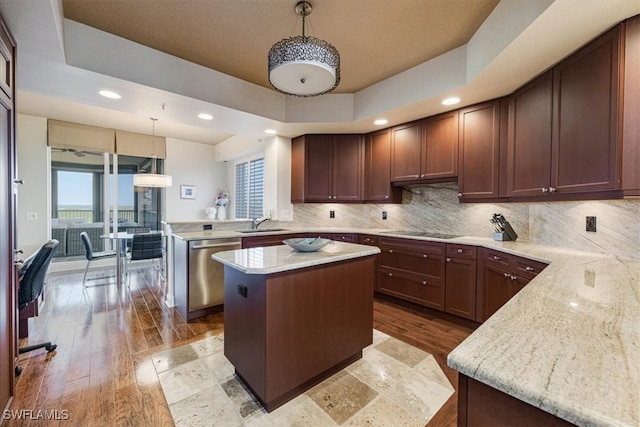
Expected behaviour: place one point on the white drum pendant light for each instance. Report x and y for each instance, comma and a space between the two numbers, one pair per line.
152, 179
303, 65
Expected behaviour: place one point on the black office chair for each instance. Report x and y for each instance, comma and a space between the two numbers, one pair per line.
31, 276
147, 246
92, 256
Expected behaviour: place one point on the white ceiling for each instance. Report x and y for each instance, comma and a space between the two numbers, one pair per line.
398, 61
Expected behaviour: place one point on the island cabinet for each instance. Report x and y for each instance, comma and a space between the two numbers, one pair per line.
268, 240
378, 186
425, 150
412, 270
502, 276
479, 167
327, 168
287, 330
460, 284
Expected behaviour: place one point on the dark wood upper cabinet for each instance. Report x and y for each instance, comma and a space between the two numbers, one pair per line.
440, 146
327, 168
529, 138
425, 150
406, 152
478, 173
586, 96
631, 129
378, 187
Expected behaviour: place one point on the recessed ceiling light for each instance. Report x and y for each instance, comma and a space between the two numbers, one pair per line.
381, 122
109, 94
270, 131
451, 101
205, 116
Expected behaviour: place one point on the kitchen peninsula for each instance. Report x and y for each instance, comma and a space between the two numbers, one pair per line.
291, 319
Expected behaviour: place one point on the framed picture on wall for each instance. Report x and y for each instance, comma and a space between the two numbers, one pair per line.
187, 191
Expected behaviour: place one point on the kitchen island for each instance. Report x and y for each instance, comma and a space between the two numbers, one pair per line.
292, 319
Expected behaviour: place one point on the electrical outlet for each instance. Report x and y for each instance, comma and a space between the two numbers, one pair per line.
591, 224
384, 214
332, 214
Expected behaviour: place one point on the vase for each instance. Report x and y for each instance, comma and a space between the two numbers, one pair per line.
222, 212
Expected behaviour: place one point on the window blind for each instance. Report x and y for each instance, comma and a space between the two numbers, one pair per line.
250, 189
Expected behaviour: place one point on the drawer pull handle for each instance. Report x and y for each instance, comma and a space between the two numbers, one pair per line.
513, 277
424, 282
460, 251
448, 259
425, 256
507, 275
390, 251
529, 268
390, 274
496, 257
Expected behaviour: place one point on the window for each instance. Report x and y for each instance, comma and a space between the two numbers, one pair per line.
250, 189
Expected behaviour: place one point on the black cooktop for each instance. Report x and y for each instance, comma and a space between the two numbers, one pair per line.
422, 234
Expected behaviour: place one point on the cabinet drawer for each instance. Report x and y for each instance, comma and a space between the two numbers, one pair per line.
432, 266
344, 237
429, 248
461, 251
368, 239
411, 288
528, 268
492, 257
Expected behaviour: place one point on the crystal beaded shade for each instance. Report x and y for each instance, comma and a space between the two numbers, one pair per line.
302, 65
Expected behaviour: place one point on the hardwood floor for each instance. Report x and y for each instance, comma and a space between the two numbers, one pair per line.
101, 373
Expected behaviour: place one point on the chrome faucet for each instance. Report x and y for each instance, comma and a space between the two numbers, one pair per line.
255, 222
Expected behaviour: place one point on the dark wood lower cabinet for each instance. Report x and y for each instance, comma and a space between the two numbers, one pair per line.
270, 240
286, 331
460, 295
482, 405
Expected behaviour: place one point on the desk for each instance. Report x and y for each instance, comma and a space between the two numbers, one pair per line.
120, 237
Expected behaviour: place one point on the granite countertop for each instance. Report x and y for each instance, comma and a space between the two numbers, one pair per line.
275, 259
568, 343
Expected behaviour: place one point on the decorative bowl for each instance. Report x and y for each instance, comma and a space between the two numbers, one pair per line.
307, 244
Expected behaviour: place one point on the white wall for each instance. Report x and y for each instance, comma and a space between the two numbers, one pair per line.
33, 168
192, 163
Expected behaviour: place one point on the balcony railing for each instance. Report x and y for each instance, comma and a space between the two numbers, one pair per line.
87, 215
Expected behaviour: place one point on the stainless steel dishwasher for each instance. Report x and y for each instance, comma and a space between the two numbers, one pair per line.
206, 276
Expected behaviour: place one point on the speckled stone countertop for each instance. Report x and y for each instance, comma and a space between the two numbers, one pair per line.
275, 259
568, 343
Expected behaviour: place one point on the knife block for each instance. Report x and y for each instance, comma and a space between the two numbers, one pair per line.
507, 234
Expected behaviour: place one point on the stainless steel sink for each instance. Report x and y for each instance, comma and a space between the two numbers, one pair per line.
262, 230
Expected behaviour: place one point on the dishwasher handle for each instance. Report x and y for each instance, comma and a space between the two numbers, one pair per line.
218, 245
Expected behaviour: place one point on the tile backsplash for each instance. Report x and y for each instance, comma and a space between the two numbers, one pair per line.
435, 208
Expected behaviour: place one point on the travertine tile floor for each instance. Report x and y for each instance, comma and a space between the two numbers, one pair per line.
394, 384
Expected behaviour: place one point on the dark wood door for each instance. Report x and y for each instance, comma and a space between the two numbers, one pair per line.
529, 139
318, 168
406, 146
631, 132
8, 293
348, 168
585, 128
440, 149
378, 186
478, 174
460, 289
496, 290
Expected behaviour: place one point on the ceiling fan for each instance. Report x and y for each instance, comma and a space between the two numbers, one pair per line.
78, 153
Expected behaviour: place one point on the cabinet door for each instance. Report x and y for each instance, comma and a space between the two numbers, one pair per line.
460, 289
529, 139
406, 146
378, 186
411, 287
496, 291
318, 168
585, 128
478, 174
348, 168
631, 132
440, 149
